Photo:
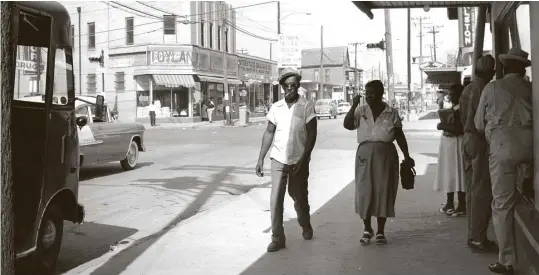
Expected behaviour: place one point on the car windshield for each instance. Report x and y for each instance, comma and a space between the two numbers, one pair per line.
323, 102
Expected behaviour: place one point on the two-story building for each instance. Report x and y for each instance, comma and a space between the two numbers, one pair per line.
337, 74
170, 53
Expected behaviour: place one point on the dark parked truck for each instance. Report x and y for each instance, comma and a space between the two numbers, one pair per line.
45, 144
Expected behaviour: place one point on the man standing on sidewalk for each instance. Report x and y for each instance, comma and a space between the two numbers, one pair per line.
505, 116
211, 107
475, 148
152, 108
292, 128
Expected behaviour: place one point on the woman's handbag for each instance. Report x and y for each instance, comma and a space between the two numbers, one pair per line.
407, 173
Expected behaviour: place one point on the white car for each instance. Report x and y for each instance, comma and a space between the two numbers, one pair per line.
343, 108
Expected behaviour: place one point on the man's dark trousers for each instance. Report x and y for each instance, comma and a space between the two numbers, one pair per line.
298, 191
152, 118
478, 186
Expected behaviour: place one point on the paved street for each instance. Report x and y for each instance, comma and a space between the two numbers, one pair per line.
185, 201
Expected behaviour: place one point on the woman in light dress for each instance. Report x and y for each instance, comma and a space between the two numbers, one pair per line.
450, 176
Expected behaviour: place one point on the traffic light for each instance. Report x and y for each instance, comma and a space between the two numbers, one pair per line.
100, 59
380, 45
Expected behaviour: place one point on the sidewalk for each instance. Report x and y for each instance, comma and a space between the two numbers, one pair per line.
232, 239
204, 124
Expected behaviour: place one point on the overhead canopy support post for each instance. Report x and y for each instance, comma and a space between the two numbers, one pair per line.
479, 37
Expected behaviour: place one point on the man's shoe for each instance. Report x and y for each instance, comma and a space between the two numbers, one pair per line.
485, 246
275, 246
307, 233
501, 269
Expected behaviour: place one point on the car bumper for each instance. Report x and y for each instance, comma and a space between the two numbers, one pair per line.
324, 115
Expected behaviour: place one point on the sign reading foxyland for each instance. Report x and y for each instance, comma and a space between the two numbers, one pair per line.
289, 52
467, 27
170, 56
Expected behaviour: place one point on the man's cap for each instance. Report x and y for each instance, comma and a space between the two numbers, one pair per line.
288, 72
485, 63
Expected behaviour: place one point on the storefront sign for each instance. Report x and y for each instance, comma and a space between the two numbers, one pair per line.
467, 27
205, 60
176, 56
289, 55
249, 66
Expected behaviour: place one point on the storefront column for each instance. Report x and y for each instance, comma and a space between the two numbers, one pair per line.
534, 41
479, 37
190, 102
151, 89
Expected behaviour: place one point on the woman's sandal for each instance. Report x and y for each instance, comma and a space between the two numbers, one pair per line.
380, 239
447, 211
366, 239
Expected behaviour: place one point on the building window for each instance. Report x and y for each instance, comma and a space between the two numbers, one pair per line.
226, 39
169, 24
202, 34
326, 73
91, 84
219, 38
72, 36
129, 31
120, 81
211, 35
317, 75
91, 35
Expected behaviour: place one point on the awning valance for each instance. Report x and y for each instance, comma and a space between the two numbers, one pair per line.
174, 80
233, 81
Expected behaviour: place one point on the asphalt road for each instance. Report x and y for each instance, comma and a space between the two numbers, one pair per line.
184, 172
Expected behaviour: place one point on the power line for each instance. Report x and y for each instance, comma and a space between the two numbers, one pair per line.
155, 8
128, 7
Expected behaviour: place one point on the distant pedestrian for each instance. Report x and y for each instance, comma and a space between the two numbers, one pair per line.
211, 108
152, 109
377, 163
475, 152
292, 128
204, 111
450, 176
505, 115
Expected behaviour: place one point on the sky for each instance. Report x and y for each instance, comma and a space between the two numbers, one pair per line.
343, 24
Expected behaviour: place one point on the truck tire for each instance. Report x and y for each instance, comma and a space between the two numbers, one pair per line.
131, 159
49, 240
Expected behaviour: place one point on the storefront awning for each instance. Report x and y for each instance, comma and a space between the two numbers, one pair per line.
174, 80
233, 81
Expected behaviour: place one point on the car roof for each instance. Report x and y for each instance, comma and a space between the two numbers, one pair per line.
89, 98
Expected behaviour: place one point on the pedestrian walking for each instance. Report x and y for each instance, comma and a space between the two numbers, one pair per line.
377, 163
211, 107
504, 114
292, 128
450, 176
475, 152
152, 109
204, 111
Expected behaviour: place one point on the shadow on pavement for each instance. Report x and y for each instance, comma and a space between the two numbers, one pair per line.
421, 241
88, 241
97, 171
119, 262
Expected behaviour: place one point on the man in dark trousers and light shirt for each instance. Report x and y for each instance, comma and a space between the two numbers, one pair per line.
292, 128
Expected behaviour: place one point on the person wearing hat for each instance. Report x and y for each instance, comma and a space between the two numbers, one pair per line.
292, 129
475, 153
504, 115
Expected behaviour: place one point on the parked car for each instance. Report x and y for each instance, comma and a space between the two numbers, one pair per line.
343, 108
105, 139
325, 108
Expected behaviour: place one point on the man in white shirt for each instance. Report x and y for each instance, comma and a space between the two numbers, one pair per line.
504, 116
292, 128
152, 108
211, 107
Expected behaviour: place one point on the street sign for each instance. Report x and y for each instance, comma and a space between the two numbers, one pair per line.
289, 55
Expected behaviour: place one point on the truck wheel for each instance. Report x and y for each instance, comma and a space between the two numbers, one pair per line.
131, 159
49, 240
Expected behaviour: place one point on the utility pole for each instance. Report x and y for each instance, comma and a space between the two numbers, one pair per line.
356, 78
434, 31
389, 56
79, 50
409, 57
7, 238
321, 74
228, 96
